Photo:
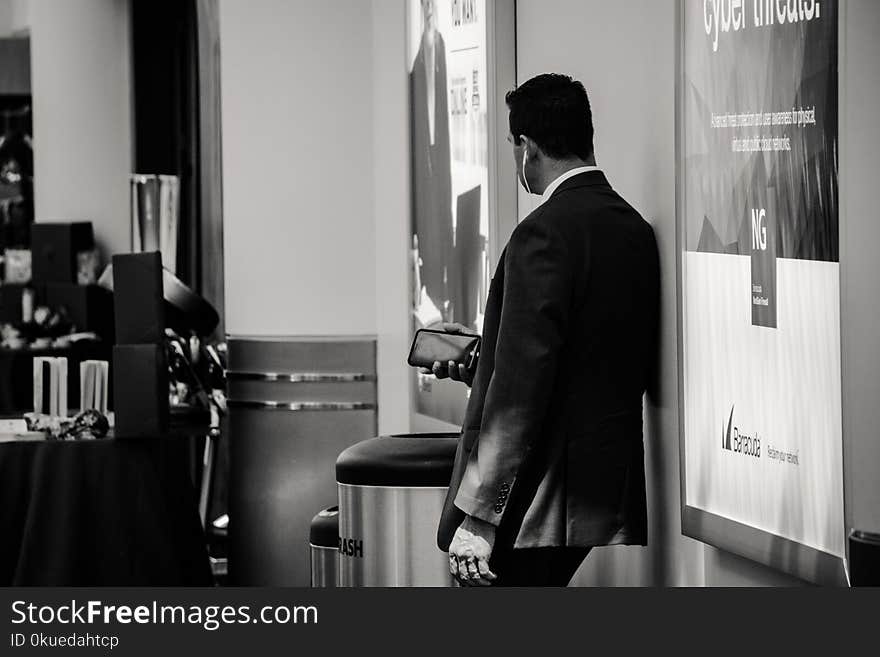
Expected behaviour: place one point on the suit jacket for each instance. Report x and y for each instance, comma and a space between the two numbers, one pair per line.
431, 173
551, 449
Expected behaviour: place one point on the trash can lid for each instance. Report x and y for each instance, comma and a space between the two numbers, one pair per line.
409, 459
861, 536
324, 531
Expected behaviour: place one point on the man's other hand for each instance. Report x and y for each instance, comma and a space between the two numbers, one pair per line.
470, 551
451, 370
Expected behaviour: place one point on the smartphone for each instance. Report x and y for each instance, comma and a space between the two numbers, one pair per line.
430, 345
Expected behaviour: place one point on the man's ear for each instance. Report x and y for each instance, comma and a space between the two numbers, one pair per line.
530, 148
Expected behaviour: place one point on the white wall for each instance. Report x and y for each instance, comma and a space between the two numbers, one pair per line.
316, 177
14, 17
859, 269
298, 167
391, 207
81, 86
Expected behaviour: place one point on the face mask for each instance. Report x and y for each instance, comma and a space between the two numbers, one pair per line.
524, 179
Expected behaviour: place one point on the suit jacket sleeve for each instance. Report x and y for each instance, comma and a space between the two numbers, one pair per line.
535, 310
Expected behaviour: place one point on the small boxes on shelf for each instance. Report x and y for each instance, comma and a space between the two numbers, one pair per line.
56, 251
93, 385
50, 386
17, 266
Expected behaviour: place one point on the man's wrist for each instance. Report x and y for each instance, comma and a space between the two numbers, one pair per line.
479, 527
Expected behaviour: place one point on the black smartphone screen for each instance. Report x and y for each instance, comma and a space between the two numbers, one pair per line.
429, 346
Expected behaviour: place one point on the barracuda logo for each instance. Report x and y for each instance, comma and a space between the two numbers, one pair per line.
725, 436
740, 443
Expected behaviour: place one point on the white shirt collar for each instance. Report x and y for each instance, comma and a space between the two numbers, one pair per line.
552, 187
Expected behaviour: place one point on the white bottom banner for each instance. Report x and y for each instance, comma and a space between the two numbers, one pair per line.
763, 437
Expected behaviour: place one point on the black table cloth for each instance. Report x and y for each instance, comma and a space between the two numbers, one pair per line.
112, 512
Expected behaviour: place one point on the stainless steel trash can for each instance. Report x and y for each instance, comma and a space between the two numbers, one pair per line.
391, 493
324, 548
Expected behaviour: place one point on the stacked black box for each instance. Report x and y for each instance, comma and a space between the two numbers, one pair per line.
139, 298
140, 390
140, 382
54, 250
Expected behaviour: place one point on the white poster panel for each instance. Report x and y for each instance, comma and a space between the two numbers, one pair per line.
760, 270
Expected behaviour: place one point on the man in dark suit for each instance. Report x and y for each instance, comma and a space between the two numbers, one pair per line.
431, 169
551, 459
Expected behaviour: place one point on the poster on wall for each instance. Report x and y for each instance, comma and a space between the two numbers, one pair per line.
449, 236
760, 268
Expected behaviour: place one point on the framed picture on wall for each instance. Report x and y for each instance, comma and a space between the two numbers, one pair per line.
460, 62
759, 293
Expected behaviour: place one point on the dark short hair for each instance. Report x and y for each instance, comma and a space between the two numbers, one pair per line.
554, 110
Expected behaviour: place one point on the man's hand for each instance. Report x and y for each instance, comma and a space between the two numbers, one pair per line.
450, 370
470, 551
